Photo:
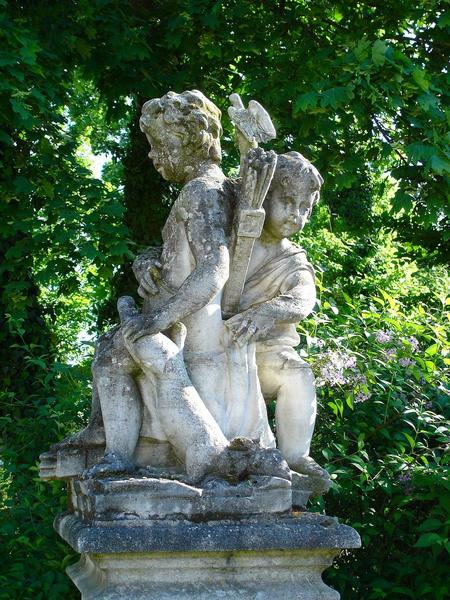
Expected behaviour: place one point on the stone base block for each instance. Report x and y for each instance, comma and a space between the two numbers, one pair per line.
140, 498
253, 559
197, 576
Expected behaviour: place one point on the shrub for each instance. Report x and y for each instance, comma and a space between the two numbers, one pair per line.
382, 434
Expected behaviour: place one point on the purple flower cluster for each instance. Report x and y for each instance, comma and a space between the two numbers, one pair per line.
360, 379
404, 477
405, 481
391, 353
406, 362
383, 337
362, 396
340, 368
332, 366
414, 343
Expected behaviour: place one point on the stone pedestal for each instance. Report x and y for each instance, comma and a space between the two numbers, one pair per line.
257, 558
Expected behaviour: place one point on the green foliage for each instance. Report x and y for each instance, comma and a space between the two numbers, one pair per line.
381, 360
61, 233
33, 555
382, 434
362, 90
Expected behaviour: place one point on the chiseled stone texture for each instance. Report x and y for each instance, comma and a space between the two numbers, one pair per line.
259, 559
221, 299
133, 498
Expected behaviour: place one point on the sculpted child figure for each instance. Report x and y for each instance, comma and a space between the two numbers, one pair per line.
137, 367
278, 293
201, 390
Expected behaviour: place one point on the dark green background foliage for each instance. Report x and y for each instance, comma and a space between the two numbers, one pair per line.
361, 88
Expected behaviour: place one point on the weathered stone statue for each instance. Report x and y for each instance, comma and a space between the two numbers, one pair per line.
178, 456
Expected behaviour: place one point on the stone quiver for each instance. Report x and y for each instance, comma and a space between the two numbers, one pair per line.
177, 487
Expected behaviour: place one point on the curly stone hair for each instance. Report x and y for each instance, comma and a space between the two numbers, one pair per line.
292, 167
196, 119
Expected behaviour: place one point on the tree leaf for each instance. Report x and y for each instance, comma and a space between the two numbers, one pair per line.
379, 53
440, 165
305, 101
336, 96
429, 539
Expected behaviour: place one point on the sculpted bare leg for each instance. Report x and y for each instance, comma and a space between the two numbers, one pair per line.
296, 412
114, 373
290, 381
197, 439
193, 432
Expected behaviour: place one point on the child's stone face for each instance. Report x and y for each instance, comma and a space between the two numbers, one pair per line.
287, 209
169, 153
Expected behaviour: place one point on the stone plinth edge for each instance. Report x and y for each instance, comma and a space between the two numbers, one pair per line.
258, 558
303, 532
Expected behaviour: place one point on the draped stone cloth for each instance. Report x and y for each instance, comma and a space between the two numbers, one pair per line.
274, 279
227, 382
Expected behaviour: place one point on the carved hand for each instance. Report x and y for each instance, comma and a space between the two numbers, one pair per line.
249, 326
141, 326
146, 270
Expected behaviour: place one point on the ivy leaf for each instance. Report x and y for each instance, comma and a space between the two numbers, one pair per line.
440, 165
402, 201
7, 60
444, 21
114, 209
28, 52
361, 50
428, 101
336, 96
420, 152
89, 251
421, 78
22, 110
22, 185
119, 249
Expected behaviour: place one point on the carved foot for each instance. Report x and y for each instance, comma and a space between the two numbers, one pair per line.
308, 466
318, 480
111, 464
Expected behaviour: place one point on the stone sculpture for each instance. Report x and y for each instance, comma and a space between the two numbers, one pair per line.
179, 429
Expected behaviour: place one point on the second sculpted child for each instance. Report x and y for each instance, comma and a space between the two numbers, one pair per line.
279, 292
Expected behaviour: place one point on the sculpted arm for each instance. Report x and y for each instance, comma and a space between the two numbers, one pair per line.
206, 236
204, 226
294, 304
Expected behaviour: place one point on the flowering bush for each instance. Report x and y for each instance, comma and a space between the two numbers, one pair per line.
382, 433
